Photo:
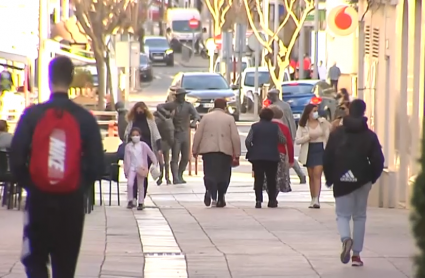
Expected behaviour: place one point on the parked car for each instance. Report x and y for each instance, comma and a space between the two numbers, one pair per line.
203, 88
246, 83
159, 50
302, 92
145, 68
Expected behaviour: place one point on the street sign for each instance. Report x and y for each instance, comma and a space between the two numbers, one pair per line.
218, 41
193, 23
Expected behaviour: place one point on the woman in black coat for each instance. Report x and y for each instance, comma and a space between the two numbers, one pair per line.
262, 146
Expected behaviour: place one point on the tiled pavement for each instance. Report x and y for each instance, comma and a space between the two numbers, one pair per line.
182, 238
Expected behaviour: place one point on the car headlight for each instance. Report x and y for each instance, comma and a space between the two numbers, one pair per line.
231, 99
169, 51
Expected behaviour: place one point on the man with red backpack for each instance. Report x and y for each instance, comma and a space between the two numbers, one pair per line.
56, 155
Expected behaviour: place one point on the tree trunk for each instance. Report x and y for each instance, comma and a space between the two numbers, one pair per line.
100, 66
109, 79
140, 36
418, 215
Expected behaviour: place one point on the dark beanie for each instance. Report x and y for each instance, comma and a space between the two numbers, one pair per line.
220, 103
357, 108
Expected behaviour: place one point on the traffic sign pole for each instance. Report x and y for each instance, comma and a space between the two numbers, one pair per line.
193, 24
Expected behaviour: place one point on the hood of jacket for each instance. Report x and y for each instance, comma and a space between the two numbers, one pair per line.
355, 124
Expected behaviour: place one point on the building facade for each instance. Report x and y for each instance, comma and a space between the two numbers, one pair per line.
394, 92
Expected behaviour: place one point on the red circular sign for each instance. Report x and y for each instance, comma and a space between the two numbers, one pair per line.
342, 20
193, 23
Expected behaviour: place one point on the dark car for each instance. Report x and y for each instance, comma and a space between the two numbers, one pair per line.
145, 68
203, 88
159, 50
302, 92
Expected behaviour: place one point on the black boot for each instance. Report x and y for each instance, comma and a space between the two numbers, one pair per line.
221, 201
257, 205
272, 204
207, 199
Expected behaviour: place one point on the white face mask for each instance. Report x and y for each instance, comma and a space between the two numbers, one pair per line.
315, 115
135, 139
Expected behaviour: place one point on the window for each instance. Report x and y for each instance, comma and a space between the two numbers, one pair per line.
297, 89
204, 82
263, 78
182, 26
159, 42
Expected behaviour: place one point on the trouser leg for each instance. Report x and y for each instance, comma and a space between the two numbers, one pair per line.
66, 237
141, 188
298, 169
175, 155
225, 164
210, 180
146, 182
131, 181
344, 206
271, 170
258, 180
135, 187
184, 152
359, 217
166, 155
36, 242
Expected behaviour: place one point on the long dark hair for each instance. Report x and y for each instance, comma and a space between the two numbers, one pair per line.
304, 117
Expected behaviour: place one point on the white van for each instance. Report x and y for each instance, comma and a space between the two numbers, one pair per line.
177, 24
247, 85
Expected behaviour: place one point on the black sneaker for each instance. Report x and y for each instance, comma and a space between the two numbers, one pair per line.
303, 180
159, 182
207, 199
140, 207
257, 205
346, 250
130, 205
221, 202
272, 204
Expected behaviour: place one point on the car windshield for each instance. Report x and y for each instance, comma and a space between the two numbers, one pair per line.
160, 42
263, 77
182, 26
144, 60
234, 68
204, 82
297, 89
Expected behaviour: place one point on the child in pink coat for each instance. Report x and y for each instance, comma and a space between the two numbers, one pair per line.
136, 164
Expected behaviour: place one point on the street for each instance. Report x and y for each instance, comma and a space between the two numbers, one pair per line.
177, 236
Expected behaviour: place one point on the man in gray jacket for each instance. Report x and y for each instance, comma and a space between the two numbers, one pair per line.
288, 120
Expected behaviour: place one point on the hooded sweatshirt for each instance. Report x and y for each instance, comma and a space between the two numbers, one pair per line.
353, 156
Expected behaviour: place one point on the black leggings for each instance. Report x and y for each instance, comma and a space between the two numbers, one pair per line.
269, 169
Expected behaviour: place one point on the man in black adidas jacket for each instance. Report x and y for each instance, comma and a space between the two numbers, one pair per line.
53, 224
352, 162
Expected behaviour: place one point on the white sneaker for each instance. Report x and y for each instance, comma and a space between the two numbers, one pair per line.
214, 203
311, 203
316, 203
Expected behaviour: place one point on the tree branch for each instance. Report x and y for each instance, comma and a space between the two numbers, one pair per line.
224, 12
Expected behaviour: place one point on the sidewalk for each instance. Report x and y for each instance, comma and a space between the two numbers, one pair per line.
182, 238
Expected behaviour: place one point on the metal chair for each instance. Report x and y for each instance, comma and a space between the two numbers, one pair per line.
111, 174
12, 193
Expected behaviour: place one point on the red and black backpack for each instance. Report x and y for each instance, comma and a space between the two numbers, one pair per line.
55, 161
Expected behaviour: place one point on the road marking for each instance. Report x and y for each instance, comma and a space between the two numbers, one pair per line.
163, 257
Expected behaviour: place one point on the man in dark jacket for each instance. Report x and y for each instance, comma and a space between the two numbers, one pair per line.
54, 223
352, 162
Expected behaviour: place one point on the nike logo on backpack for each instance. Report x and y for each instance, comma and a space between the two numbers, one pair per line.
348, 177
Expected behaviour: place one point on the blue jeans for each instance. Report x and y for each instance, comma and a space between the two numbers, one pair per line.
354, 206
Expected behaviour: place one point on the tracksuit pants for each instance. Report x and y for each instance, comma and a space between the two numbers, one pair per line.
53, 228
133, 180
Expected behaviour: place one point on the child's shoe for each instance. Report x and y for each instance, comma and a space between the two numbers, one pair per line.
130, 205
140, 207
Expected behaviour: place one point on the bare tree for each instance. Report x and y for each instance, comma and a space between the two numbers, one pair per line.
220, 11
99, 19
294, 18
